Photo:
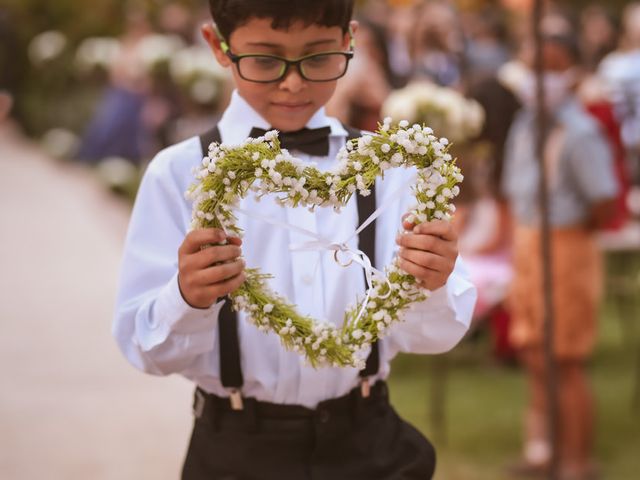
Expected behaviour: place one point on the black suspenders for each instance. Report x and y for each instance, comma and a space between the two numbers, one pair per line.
229, 344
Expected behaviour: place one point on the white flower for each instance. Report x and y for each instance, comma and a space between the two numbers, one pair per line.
268, 308
385, 148
403, 124
276, 177
271, 135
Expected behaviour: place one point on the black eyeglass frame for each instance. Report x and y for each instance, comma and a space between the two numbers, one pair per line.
288, 63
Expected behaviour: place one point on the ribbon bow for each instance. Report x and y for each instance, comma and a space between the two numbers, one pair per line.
310, 141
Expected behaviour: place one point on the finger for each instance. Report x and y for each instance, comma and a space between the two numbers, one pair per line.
427, 278
427, 260
408, 226
234, 240
214, 254
203, 236
228, 286
204, 297
433, 282
440, 228
413, 269
428, 243
219, 273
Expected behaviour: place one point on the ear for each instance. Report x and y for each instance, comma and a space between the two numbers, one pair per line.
208, 31
350, 35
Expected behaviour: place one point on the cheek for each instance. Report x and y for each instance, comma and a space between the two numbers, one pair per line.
323, 92
255, 93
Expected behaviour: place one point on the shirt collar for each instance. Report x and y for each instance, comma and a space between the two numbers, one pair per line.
240, 117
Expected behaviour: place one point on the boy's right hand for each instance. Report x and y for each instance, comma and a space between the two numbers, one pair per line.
206, 274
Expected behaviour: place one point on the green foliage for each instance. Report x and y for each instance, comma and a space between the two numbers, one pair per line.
479, 432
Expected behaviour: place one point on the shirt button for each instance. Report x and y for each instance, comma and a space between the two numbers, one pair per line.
323, 416
307, 279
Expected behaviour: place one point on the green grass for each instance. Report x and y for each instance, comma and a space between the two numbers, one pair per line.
480, 427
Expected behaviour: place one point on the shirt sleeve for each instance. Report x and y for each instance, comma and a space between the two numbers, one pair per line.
591, 165
438, 323
155, 328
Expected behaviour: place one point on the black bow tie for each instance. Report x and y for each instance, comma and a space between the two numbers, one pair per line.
311, 141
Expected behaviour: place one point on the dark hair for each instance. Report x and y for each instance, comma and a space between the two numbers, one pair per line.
568, 41
231, 14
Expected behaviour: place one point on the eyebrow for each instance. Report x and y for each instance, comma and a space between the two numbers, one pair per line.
275, 45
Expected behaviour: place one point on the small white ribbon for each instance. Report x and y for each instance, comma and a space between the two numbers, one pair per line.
355, 255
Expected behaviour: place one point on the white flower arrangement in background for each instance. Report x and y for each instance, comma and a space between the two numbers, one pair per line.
196, 70
229, 173
46, 46
155, 51
166, 57
96, 53
448, 112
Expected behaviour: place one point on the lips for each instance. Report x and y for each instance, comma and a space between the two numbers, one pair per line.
292, 105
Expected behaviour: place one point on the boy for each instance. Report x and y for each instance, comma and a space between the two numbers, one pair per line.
261, 412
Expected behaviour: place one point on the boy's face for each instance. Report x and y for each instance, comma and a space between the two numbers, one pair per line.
289, 103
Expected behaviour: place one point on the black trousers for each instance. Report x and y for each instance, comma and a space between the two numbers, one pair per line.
349, 438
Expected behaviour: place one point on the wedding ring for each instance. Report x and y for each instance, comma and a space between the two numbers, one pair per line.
335, 257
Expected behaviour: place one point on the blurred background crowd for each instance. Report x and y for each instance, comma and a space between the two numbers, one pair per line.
107, 84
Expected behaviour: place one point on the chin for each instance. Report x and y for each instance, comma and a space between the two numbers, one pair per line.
289, 124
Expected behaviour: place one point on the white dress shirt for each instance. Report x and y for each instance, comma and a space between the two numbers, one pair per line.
161, 334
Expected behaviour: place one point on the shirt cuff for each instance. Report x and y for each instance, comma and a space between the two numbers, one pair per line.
439, 322
459, 295
171, 314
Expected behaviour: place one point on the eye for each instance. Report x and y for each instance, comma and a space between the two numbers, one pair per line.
266, 62
318, 60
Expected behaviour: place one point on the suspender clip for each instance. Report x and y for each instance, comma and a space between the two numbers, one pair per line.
365, 387
235, 398
198, 403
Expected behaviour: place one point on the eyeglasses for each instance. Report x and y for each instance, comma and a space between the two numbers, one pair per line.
317, 67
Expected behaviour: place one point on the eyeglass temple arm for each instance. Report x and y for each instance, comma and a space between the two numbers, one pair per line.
223, 43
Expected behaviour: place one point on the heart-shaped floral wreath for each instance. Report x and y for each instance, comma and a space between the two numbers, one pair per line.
259, 165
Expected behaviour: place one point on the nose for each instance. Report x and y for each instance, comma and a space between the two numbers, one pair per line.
292, 80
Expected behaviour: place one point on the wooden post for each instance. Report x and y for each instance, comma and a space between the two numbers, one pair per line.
542, 122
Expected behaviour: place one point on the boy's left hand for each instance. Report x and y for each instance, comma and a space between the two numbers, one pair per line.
428, 252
